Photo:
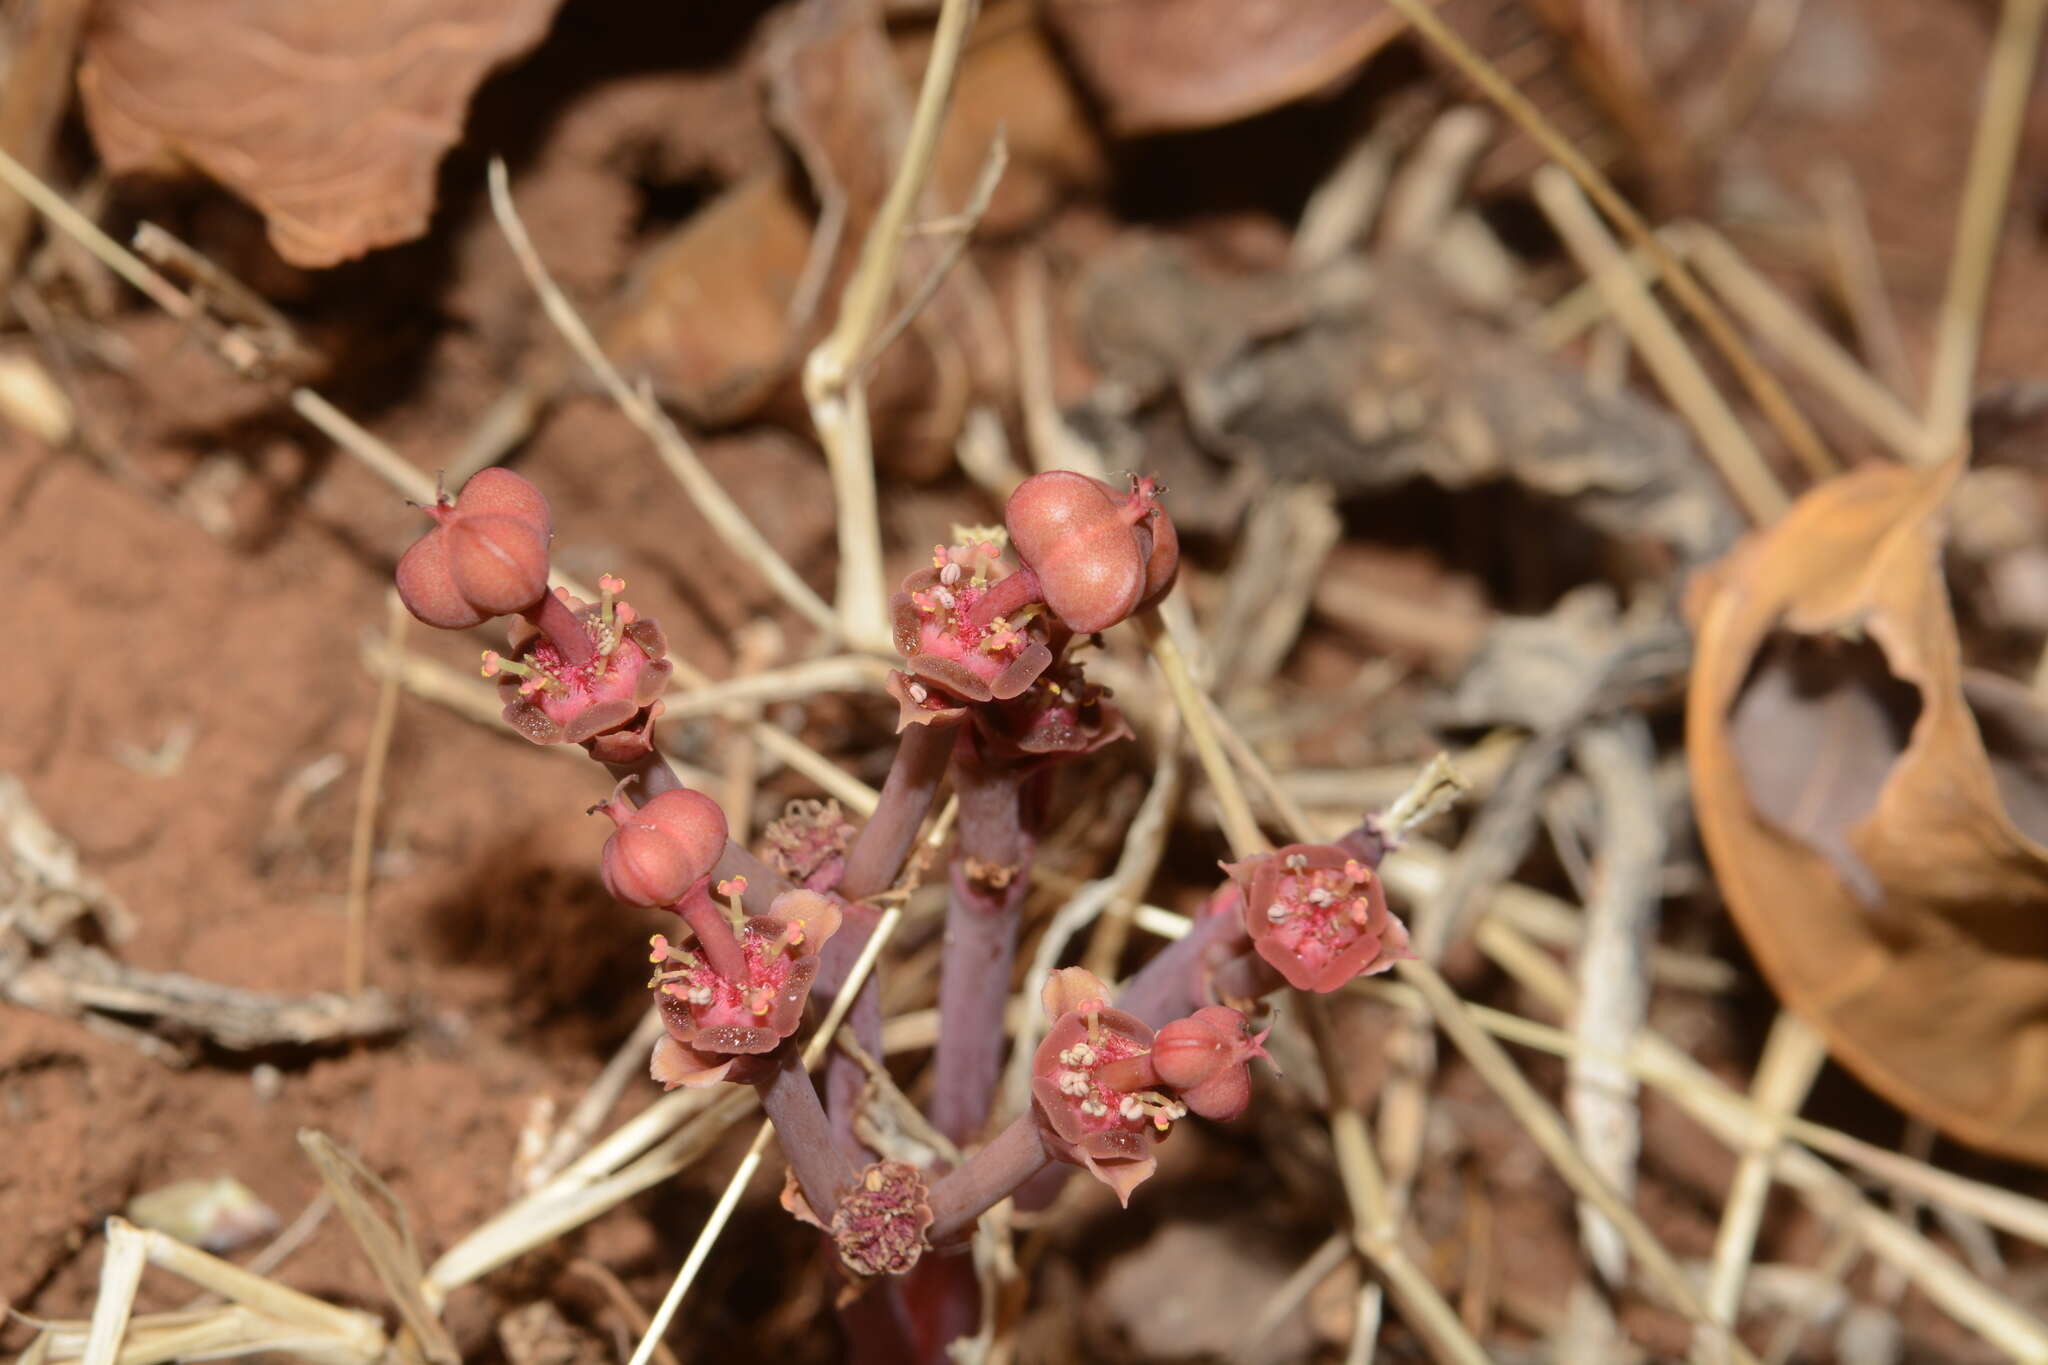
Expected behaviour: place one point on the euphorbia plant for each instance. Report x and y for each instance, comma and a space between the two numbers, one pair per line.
992, 699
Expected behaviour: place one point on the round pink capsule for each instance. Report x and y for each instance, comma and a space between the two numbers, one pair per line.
660, 851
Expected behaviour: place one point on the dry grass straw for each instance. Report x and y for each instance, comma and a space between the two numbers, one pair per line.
2014, 51
369, 792
727, 521
1791, 1061
261, 1316
386, 1238
1677, 371
1769, 396
833, 379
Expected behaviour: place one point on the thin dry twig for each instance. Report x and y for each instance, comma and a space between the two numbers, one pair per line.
1969, 1300
832, 377
1860, 278
1792, 1059
1677, 370
385, 1237
1239, 825
369, 791
724, 515
1959, 329
1614, 986
1375, 1219
1803, 344
1771, 398
242, 355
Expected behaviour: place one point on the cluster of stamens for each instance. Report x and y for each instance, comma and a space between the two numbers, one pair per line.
546, 669
1078, 1080
689, 977
1324, 896
964, 574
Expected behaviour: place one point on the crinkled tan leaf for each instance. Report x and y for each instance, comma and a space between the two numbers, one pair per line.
1166, 64
330, 118
1875, 811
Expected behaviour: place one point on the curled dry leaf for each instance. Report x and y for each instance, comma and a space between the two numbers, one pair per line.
1876, 812
1159, 65
330, 119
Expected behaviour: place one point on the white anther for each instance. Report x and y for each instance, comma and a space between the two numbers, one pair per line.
1297, 862
1176, 1110
946, 598
1094, 1109
701, 995
1130, 1108
1322, 897
950, 574
1073, 1083
1276, 912
1084, 1055
919, 693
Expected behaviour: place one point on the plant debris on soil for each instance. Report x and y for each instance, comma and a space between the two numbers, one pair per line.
1751, 871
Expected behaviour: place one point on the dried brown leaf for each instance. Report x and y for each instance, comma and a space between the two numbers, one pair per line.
1874, 811
330, 119
1159, 65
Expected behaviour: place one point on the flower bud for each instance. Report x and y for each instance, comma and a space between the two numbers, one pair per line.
487, 554
660, 851
1075, 535
1204, 1057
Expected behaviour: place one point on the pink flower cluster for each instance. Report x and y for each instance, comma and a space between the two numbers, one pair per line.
1318, 915
1105, 1087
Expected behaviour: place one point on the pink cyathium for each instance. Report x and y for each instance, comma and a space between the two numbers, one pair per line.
718, 1020
1318, 915
1093, 1086
597, 690
969, 632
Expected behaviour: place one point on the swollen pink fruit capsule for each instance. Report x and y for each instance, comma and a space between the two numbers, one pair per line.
487, 554
1204, 1057
1079, 538
660, 851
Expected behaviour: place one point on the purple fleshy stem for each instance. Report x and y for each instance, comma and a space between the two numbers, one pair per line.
1173, 984
987, 1178
873, 864
884, 842
791, 1103
998, 835
552, 618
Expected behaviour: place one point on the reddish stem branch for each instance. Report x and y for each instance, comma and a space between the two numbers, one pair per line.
987, 1178
990, 875
791, 1103
885, 841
